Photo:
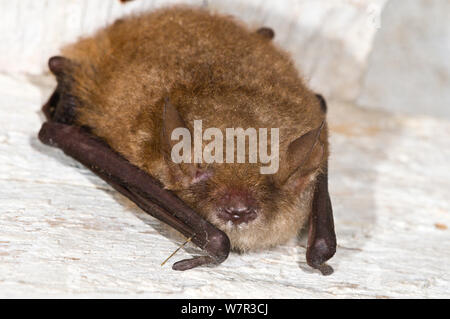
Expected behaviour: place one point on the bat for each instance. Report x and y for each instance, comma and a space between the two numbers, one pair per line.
123, 92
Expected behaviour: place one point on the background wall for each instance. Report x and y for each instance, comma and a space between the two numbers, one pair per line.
408, 69
330, 40
389, 54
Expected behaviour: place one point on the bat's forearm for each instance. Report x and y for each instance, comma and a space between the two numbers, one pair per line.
321, 237
140, 187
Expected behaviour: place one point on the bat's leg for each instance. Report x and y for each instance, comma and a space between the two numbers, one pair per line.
141, 188
321, 237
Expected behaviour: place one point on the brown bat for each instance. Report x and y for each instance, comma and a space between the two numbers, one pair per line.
122, 92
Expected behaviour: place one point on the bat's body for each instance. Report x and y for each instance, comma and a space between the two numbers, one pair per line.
132, 83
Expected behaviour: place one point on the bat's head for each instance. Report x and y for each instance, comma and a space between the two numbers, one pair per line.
257, 204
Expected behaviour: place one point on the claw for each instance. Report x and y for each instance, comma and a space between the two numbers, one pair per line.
193, 263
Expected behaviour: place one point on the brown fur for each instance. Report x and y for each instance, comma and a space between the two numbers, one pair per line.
215, 69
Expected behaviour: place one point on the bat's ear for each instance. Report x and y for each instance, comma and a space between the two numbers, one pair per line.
171, 119
304, 155
323, 103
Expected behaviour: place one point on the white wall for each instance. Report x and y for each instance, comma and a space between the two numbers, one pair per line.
409, 67
329, 39
388, 54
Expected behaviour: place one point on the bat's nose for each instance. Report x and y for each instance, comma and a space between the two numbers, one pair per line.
238, 207
239, 215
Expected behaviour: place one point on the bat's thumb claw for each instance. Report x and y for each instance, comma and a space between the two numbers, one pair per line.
319, 252
192, 263
218, 246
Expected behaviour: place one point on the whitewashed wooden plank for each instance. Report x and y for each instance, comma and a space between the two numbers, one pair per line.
329, 40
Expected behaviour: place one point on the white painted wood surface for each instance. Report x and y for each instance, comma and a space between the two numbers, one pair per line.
330, 40
65, 233
408, 70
